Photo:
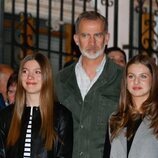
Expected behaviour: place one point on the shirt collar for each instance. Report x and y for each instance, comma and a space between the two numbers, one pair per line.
79, 63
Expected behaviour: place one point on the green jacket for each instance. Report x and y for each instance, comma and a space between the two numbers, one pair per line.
91, 115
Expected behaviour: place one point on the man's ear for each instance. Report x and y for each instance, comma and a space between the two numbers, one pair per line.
76, 39
107, 37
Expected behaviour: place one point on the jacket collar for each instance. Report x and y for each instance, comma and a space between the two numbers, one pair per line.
110, 72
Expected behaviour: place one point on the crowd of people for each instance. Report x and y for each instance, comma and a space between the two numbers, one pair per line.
100, 106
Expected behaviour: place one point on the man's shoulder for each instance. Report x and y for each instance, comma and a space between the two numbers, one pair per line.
113, 65
67, 71
112, 68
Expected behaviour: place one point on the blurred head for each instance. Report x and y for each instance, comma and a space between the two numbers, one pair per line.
117, 55
11, 87
91, 34
5, 72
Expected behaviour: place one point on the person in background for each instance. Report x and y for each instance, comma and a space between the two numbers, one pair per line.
134, 127
36, 125
90, 88
117, 55
11, 87
5, 72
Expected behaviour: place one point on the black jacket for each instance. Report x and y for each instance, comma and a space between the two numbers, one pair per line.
2, 102
63, 127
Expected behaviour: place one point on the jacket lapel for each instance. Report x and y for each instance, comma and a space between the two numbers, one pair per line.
141, 133
109, 74
123, 141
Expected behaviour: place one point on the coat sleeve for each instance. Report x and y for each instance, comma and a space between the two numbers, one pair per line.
2, 148
2, 139
64, 145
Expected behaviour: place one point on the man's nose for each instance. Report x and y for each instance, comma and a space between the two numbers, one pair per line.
92, 40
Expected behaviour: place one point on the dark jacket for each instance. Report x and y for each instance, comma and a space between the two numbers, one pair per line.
90, 116
63, 127
2, 102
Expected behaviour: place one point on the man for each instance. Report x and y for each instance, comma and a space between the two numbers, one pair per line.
117, 55
5, 72
90, 88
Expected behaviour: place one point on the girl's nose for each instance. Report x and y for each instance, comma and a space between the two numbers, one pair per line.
30, 75
136, 80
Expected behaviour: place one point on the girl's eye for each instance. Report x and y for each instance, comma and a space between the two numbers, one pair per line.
130, 76
143, 76
38, 72
24, 71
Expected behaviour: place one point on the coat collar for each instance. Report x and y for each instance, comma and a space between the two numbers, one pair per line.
110, 72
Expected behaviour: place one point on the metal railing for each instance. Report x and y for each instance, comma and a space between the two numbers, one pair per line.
48, 26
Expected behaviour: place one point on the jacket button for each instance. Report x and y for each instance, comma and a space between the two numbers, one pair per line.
81, 153
81, 126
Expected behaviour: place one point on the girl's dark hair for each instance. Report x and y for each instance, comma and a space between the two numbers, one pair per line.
13, 79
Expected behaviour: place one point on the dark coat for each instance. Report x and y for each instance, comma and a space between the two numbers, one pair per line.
90, 116
2, 102
63, 127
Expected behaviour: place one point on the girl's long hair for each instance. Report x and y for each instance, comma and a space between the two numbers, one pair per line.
47, 99
126, 112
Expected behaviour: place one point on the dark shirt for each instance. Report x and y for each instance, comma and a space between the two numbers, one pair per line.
129, 142
2, 102
107, 146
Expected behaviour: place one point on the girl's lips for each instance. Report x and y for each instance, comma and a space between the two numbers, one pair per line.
30, 83
137, 88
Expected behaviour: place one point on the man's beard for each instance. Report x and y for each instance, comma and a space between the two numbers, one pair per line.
94, 55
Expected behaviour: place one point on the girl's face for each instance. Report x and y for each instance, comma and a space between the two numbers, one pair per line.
139, 81
31, 77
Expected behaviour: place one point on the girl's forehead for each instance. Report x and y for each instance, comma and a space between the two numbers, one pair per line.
138, 68
31, 64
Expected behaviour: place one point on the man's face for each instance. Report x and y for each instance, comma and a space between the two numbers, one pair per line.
91, 38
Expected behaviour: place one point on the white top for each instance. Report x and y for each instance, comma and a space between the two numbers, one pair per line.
83, 80
27, 145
